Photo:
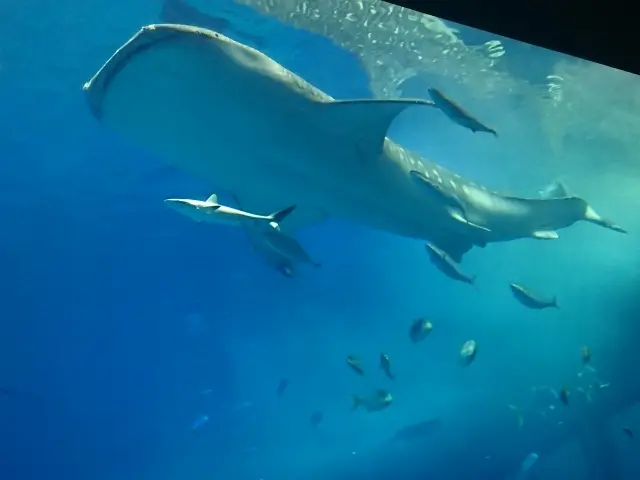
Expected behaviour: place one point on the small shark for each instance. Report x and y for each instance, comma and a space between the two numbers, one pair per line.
211, 211
235, 118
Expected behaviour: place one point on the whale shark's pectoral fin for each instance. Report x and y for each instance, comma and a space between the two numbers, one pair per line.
367, 119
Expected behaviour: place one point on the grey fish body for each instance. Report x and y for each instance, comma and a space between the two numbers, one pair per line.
375, 402
458, 114
282, 387
385, 365
289, 247
418, 431
419, 330
446, 265
316, 418
468, 352
355, 364
530, 300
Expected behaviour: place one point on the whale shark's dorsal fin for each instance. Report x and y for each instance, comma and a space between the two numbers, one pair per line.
556, 189
367, 119
213, 198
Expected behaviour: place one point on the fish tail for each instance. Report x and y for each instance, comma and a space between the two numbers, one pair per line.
278, 217
356, 402
473, 282
554, 302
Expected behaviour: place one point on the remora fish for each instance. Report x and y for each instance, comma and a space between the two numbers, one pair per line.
530, 300
233, 117
211, 211
271, 255
458, 114
446, 265
280, 251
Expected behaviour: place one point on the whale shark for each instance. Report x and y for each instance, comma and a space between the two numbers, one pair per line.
237, 119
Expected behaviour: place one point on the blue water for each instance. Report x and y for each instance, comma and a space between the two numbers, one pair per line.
135, 344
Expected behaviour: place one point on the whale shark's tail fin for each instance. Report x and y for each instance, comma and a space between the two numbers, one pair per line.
559, 190
590, 215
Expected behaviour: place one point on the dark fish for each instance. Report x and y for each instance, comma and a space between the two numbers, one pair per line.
282, 386
286, 268
385, 365
628, 431
528, 299
586, 354
355, 364
289, 247
420, 329
563, 395
316, 418
446, 265
418, 431
377, 401
458, 114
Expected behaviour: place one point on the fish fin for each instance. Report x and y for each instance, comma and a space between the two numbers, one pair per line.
454, 245
456, 215
590, 215
555, 189
554, 302
545, 234
277, 217
366, 120
302, 216
356, 402
213, 198
432, 187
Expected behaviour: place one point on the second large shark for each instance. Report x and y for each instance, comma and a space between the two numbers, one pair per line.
234, 117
